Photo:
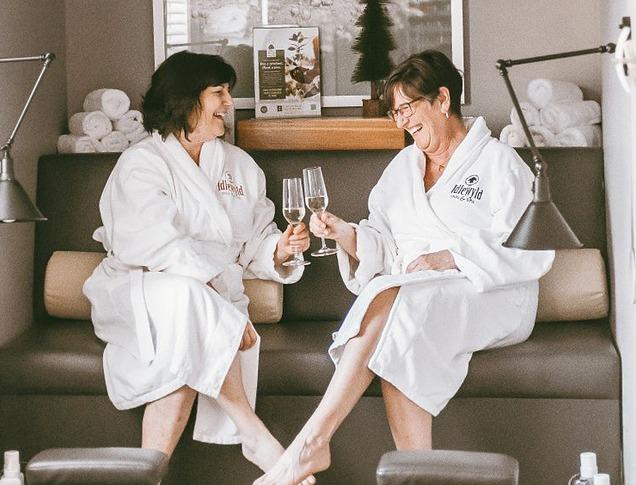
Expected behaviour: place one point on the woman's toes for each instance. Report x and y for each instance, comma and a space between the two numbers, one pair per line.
310, 480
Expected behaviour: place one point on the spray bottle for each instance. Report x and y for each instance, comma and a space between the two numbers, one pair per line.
587, 471
12, 474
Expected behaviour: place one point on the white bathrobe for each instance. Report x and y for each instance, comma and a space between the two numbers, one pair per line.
170, 227
440, 318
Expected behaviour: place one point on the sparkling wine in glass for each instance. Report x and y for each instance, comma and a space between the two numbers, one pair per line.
293, 212
317, 200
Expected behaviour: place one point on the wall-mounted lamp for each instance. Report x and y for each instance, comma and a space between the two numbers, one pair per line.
15, 205
541, 226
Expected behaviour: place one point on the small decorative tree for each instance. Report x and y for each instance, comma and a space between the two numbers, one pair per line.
374, 43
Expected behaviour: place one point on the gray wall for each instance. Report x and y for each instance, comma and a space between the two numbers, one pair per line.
619, 126
110, 44
29, 27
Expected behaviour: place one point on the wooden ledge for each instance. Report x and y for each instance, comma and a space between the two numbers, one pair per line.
328, 133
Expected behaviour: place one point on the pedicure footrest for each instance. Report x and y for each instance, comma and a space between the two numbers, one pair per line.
444, 467
104, 466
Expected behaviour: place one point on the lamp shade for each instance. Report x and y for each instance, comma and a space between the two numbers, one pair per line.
542, 227
15, 205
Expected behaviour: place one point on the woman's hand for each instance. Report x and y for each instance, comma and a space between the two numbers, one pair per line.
439, 261
329, 226
249, 337
294, 239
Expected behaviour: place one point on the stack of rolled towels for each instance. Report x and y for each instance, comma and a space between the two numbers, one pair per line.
107, 124
557, 115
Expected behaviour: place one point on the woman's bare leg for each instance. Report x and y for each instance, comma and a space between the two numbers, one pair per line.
309, 452
165, 419
411, 426
257, 443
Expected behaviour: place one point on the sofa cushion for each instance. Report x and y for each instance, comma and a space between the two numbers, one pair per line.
570, 360
67, 271
575, 288
65, 275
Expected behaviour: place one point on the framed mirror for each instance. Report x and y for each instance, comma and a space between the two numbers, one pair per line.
225, 28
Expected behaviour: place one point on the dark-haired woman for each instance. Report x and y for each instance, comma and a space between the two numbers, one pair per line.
185, 219
434, 282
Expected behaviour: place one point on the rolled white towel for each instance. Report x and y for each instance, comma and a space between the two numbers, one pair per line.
559, 116
542, 136
115, 141
135, 136
75, 144
513, 136
92, 123
113, 102
580, 136
530, 113
130, 121
542, 92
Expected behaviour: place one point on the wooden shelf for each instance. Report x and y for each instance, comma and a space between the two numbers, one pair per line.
327, 133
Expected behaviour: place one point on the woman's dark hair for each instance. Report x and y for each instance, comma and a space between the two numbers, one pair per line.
422, 75
175, 89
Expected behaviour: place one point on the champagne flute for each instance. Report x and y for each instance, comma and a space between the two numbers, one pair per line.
317, 200
293, 212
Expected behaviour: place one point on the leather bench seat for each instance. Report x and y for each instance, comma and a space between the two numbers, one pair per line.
573, 360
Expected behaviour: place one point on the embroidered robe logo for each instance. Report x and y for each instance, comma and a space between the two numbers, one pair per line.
469, 191
228, 185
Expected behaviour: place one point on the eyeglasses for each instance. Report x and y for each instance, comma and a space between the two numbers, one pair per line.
404, 110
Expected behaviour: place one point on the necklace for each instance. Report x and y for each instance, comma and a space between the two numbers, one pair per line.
440, 167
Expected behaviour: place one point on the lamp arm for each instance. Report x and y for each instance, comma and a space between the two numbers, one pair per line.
609, 48
46, 58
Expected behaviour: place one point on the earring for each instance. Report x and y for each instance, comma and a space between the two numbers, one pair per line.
445, 113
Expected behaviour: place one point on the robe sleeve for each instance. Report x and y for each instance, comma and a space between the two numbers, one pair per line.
480, 254
144, 232
257, 255
375, 248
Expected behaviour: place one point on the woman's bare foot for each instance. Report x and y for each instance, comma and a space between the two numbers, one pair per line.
306, 455
262, 449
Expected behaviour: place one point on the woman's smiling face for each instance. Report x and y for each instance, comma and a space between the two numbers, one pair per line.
425, 124
208, 123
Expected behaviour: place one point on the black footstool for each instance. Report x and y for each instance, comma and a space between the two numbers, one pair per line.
91, 466
443, 467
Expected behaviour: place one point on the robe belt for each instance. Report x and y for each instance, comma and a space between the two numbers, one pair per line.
140, 312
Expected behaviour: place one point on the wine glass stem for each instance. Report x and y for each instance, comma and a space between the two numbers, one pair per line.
324, 244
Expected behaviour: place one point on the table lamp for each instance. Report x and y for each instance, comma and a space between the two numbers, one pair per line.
15, 205
541, 226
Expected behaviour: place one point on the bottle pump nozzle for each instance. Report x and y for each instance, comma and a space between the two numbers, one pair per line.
11, 464
588, 465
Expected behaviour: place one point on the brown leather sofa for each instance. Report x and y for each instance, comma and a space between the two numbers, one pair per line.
541, 402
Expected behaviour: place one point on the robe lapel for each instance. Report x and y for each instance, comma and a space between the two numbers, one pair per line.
462, 158
468, 150
423, 208
195, 180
